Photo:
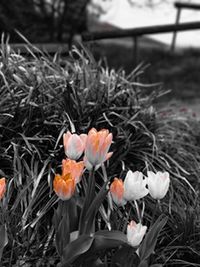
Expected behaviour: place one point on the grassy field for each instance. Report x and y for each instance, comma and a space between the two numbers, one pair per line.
176, 71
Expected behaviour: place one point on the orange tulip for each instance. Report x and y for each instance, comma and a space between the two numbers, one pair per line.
64, 186
97, 146
74, 145
74, 168
2, 187
117, 192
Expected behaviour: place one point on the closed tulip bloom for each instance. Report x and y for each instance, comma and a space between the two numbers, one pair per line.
135, 233
74, 145
97, 146
2, 187
117, 192
134, 186
158, 184
74, 168
64, 186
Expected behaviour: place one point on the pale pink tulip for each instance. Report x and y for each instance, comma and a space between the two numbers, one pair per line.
97, 146
74, 145
117, 192
135, 233
2, 187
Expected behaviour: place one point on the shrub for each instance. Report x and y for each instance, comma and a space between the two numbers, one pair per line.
40, 100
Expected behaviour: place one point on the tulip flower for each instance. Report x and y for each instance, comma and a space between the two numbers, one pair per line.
74, 168
97, 146
74, 145
2, 187
64, 186
158, 184
135, 233
117, 192
134, 186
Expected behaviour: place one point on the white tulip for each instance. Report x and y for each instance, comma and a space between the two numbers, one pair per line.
158, 184
135, 233
134, 186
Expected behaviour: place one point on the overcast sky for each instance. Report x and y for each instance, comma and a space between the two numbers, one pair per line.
120, 13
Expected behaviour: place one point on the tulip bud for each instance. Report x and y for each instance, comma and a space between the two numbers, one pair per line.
64, 186
158, 184
2, 187
134, 186
74, 145
117, 192
97, 146
135, 233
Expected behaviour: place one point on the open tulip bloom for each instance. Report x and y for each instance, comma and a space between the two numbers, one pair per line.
134, 186
158, 184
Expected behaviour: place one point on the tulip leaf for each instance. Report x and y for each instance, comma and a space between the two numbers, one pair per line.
62, 225
76, 248
148, 245
87, 223
108, 239
62, 235
3, 239
125, 256
73, 214
104, 240
143, 264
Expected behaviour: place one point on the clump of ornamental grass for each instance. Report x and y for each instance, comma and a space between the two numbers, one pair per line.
40, 100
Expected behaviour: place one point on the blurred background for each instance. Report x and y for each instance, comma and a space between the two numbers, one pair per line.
59, 21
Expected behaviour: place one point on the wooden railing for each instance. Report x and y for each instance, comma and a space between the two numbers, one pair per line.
180, 6
137, 32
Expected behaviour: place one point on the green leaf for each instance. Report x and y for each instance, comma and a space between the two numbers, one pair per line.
62, 235
143, 264
126, 257
93, 209
3, 239
76, 248
103, 240
86, 224
148, 245
73, 214
108, 239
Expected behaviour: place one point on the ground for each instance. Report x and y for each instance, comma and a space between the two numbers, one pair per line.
177, 71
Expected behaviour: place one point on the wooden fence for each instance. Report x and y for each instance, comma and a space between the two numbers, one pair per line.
180, 6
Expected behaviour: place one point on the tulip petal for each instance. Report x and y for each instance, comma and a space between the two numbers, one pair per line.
2, 187
64, 187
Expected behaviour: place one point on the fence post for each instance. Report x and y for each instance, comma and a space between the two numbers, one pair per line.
175, 32
135, 51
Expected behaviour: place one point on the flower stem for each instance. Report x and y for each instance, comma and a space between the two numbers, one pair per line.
138, 211
90, 195
154, 213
